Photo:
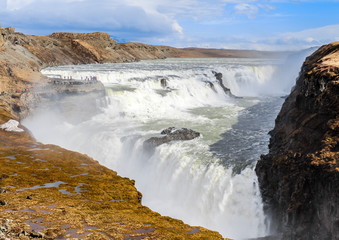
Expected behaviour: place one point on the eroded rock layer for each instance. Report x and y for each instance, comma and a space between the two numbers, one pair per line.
299, 177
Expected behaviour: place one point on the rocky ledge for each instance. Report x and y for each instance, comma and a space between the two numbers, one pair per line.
299, 177
171, 134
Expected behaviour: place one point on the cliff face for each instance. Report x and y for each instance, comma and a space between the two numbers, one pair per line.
299, 177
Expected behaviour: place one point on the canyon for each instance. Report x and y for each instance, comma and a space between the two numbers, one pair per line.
68, 194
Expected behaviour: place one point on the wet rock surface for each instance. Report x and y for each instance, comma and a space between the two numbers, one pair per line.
12, 230
299, 177
171, 134
163, 83
218, 76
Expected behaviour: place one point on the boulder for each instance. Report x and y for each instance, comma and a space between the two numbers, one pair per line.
163, 82
171, 134
218, 76
2, 40
9, 30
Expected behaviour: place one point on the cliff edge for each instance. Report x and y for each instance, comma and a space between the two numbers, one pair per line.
299, 177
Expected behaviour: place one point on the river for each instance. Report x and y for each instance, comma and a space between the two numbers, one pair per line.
209, 181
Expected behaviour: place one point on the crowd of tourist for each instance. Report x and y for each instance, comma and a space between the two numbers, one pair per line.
71, 81
26, 90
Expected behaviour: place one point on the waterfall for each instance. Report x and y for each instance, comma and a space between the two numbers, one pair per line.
209, 181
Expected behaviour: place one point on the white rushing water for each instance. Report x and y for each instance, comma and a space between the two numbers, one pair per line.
209, 181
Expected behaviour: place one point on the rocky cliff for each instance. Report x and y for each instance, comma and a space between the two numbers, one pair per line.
299, 177
23, 56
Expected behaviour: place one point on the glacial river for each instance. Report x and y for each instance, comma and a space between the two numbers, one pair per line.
209, 181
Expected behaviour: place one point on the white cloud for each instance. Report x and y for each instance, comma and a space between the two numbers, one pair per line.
177, 27
250, 8
246, 9
239, 1
320, 34
179, 23
279, 42
17, 4
87, 15
153, 17
267, 7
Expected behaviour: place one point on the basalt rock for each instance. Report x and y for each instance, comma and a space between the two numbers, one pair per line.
2, 40
163, 83
218, 76
171, 134
299, 177
211, 85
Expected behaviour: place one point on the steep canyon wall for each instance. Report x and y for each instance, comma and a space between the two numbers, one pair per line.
299, 177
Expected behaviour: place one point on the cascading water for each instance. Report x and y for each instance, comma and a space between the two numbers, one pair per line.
209, 181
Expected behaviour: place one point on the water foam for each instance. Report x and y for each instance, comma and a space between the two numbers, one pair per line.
250, 78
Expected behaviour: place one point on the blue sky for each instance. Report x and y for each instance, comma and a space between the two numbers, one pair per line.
230, 24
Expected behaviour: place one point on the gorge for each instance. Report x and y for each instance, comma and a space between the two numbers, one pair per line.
23, 57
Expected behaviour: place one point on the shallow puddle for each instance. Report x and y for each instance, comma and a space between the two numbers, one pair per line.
84, 174
46, 169
27, 210
194, 230
72, 233
9, 157
38, 149
145, 230
47, 185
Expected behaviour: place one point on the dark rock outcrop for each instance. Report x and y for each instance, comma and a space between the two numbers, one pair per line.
163, 83
218, 76
211, 85
171, 134
2, 41
299, 177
